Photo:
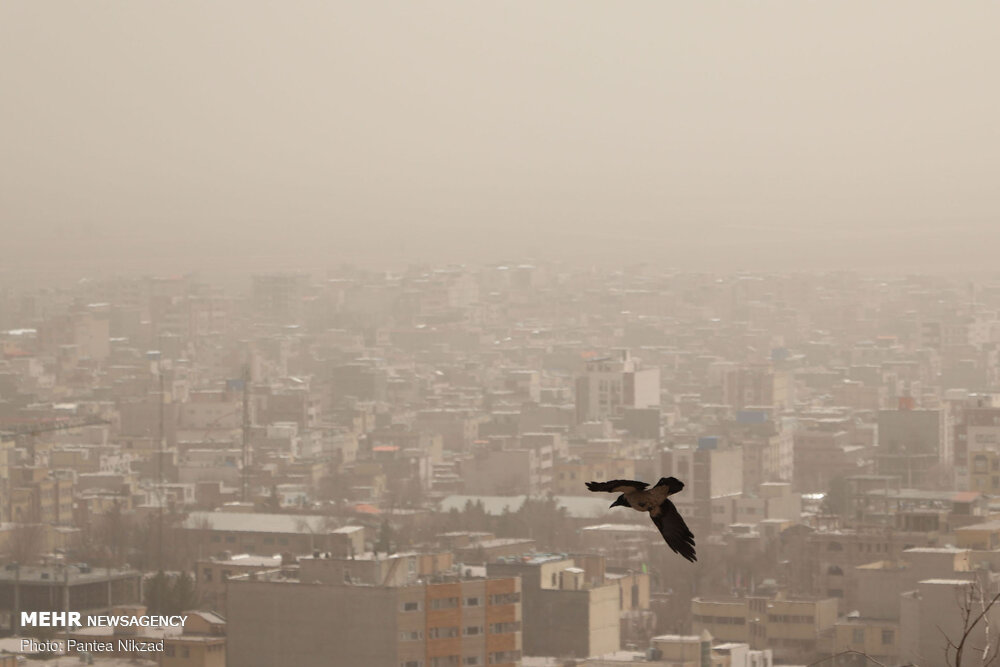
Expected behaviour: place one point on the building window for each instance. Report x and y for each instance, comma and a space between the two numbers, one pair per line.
473, 630
411, 636
442, 633
471, 660
207, 574
444, 603
411, 606
472, 602
504, 628
887, 637
501, 657
412, 663
858, 636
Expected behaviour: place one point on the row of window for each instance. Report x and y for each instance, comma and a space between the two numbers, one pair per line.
862, 547
442, 632
789, 618
451, 603
858, 636
720, 620
231, 539
496, 658
721, 509
503, 628
500, 657
185, 651
207, 575
453, 631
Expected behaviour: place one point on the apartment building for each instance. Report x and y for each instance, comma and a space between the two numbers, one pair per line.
80, 587
211, 575
710, 472
791, 627
569, 476
453, 622
877, 638
571, 606
613, 383
37, 496
260, 534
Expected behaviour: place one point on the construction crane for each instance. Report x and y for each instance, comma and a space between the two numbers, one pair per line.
27, 430
36, 427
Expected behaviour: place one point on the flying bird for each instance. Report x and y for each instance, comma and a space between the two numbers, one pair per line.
656, 501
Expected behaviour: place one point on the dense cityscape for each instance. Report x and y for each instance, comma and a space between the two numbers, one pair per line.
403, 456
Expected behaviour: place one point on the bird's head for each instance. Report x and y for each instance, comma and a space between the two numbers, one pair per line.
620, 500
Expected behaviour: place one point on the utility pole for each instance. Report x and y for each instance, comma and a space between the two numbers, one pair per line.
246, 433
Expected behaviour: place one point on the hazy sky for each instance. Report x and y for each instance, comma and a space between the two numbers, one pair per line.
186, 133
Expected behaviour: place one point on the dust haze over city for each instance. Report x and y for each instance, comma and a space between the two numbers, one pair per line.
536, 334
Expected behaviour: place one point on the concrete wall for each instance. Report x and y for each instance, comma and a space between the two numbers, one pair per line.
307, 625
603, 624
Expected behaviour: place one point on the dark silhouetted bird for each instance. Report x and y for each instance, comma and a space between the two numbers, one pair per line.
656, 501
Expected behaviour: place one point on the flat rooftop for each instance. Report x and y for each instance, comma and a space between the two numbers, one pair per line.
248, 560
247, 522
75, 574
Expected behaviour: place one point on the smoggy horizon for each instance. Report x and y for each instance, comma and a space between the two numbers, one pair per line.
236, 137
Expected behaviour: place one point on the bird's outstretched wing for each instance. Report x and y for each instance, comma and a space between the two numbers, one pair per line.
617, 485
676, 533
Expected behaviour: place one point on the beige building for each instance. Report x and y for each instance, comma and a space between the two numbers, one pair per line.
878, 638
613, 383
211, 575
504, 466
790, 627
686, 651
569, 475
933, 612
200, 643
710, 474
980, 536
213, 533
80, 587
273, 620
573, 608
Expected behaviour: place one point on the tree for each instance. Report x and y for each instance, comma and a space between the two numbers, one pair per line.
383, 542
836, 500
157, 594
167, 595
113, 532
26, 542
183, 596
974, 608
